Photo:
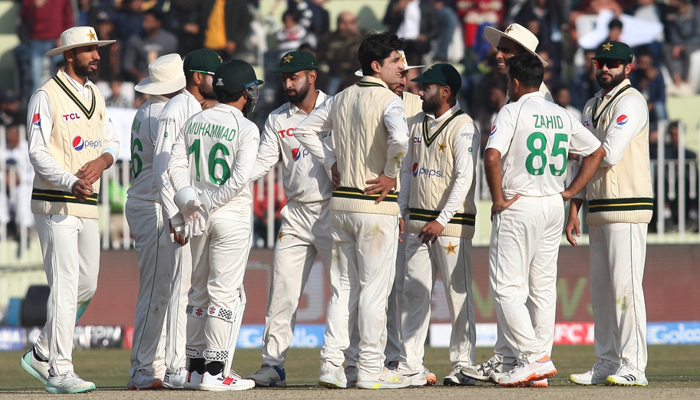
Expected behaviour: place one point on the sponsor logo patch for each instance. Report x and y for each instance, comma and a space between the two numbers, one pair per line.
79, 143
36, 120
493, 130
415, 169
74, 116
299, 153
622, 119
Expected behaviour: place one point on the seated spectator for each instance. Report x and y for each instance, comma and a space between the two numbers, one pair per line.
615, 30
544, 19
9, 108
551, 73
584, 86
476, 15
292, 34
647, 78
652, 11
19, 177
315, 17
416, 22
226, 26
562, 97
110, 66
337, 53
672, 152
128, 20
118, 99
683, 40
150, 44
183, 21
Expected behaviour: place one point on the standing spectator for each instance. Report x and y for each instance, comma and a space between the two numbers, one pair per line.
476, 15
672, 152
118, 99
19, 180
416, 22
544, 18
317, 18
143, 49
182, 20
110, 56
683, 40
648, 80
127, 21
225, 26
652, 11
45, 20
562, 96
447, 20
337, 52
584, 85
292, 33
9, 108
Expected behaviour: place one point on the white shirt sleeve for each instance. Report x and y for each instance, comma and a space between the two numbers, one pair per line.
583, 142
110, 139
466, 141
406, 178
168, 131
619, 135
268, 151
395, 121
39, 134
178, 167
308, 131
502, 132
242, 169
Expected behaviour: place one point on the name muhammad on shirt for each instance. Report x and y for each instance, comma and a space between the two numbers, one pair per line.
211, 130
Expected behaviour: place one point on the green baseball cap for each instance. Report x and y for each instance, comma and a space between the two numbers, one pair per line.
442, 74
235, 76
201, 60
613, 50
298, 60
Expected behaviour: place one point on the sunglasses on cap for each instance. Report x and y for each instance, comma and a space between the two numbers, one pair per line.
202, 72
611, 64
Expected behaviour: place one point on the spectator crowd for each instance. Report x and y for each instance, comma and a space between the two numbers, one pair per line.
664, 34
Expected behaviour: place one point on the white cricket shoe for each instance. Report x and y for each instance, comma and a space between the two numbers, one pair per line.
143, 380
529, 371
221, 382
596, 376
483, 372
458, 378
34, 366
193, 380
627, 375
430, 378
269, 376
386, 380
351, 373
417, 378
542, 383
68, 383
331, 376
175, 380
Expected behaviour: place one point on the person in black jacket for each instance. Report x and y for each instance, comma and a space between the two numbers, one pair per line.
236, 20
416, 22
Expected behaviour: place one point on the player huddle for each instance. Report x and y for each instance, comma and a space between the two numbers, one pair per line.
386, 199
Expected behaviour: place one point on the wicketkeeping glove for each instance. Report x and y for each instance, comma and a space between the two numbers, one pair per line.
187, 201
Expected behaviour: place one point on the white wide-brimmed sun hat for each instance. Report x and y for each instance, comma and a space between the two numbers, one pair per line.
165, 75
406, 67
519, 35
78, 36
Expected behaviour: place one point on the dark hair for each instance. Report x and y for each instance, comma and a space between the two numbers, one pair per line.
155, 14
527, 69
295, 14
615, 23
225, 98
377, 47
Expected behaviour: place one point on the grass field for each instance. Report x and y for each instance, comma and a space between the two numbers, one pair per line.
673, 372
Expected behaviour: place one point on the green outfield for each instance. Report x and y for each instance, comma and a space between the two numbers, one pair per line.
672, 367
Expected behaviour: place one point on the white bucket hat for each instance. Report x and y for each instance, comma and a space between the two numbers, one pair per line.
518, 34
406, 67
165, 75
78, 36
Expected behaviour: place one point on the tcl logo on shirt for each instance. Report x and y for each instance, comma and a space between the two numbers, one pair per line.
79, 143
417, 140
74, 116
289, 132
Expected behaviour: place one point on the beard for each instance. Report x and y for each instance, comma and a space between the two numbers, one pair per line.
612, 82
430, 106
297, 96
84, 70
207, 91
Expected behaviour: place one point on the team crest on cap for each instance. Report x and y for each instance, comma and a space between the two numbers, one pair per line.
493, 130
36, 120
78, 143
510, 28
607, 46
622, 119
288, 58
220, 82
415, 169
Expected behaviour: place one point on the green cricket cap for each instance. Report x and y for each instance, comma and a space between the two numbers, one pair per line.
201, 60
442, 74
235, 76
613, 50
298, 60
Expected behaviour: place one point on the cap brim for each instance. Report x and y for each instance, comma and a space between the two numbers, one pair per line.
60, 50
423, 79
160, 88
360, 74
494, 36
289, 69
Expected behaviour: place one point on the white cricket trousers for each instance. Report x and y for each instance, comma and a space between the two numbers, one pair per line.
451, 256
157, 345
361, 276
304, 233
523, 254
392, 350
70, 247
618, 254
219, 259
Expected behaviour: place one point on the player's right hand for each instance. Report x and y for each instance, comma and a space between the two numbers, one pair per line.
382, 185
497, 207
82, 189
574, 225
402, 223
335, 176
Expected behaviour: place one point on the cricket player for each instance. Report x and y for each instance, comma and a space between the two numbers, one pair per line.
438, 213
144, 214
71, 142
198, 67
305, 230
525, 164
516, 39
370, 137
211, 165
392, 352
620, 206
